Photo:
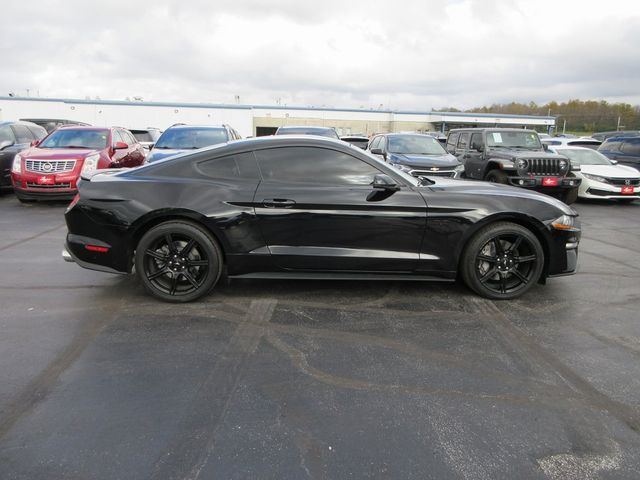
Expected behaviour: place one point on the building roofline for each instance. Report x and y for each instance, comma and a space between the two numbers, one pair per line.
270, 107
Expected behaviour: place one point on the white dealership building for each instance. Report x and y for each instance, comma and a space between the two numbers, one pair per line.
254, 120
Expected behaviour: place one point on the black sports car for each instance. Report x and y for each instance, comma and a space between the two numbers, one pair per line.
309, 207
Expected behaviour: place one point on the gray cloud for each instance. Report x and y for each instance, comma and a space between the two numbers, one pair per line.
408, 55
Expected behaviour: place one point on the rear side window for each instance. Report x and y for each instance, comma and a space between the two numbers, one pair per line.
241, 165
476, 140
631, 147
313, 165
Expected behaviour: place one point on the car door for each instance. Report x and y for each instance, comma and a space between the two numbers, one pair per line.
8, 150
135, 152
318, 211
473, 156
118, 156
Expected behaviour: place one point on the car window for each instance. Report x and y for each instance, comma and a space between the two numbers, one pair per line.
313, 165
452, 141
375, 143
131, 139
72, 138
464, 141
613, 145
23, 134
115, 137
415, 144
37, 131
191, 138
631, 147
241, 165
6, 135
476, 139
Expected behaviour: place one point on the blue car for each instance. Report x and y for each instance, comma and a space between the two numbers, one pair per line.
416, 154
182, 138
624, 150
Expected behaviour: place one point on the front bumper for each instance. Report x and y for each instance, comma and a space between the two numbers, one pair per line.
563, 252
545, 184
593, 189
45, 194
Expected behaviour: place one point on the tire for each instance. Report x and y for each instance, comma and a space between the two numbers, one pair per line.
570, 196
178, 261
497, 176
502, 261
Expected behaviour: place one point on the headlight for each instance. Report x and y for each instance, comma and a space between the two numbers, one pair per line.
565, 222
404, 168
90, 163
595, 178
563, 164
459, 168
17, 164
522, 164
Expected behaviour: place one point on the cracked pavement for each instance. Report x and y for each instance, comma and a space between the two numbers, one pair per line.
314, 379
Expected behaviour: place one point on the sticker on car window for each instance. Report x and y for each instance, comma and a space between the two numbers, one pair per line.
497, 137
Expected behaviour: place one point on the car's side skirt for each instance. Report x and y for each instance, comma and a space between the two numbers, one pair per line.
339, 276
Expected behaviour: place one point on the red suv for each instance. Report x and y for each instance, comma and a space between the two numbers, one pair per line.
51, 167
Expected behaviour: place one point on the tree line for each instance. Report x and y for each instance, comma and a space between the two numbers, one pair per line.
580, 116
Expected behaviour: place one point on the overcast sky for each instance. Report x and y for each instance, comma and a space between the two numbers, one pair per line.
406, 55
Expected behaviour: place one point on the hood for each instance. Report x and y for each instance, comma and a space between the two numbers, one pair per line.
161, 153
35, 153
496, 189
511, 154
610, 171
416, 160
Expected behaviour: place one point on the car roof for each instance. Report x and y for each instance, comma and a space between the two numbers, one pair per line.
491, 129
83, 127
621, 138
308, 127
19, 122
199, 127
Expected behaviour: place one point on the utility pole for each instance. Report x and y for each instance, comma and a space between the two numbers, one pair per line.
564, 126
618, 126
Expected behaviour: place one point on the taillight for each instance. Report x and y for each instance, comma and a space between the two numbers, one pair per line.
96, 248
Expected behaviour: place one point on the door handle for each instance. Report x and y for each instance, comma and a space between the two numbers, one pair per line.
278, 203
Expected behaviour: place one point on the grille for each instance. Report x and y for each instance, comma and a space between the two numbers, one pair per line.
48, 187
621, 181
428, 173
50, 166
604, 193
544, 166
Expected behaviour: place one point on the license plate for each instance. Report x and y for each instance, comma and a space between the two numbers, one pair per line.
550, 182
46, 180
626, 190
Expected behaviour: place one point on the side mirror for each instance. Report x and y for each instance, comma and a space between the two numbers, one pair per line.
120, 146
545, 146
384, 182
377, 151
34, 143
614, 162
150, 146
5, 144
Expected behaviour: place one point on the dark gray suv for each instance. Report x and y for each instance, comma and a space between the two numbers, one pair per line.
514, 157
624, 150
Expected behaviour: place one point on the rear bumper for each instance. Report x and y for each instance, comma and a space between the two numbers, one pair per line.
74, 252
539, 183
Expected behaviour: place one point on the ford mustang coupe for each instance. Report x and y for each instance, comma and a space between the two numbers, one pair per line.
301, 207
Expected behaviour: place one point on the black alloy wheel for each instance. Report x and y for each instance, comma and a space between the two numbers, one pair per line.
178, 261
502, 261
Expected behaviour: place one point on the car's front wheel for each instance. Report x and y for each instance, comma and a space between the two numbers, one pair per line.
178, 261
497, 176
502, 261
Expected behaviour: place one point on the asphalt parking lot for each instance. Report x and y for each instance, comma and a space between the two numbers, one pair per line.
281, 379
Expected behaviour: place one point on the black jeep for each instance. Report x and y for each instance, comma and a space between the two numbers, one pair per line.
514, 157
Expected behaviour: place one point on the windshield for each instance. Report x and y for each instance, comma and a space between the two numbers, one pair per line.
408, 178
323, 132
528, 140
70, 138
191, 138
584, 157
416, 144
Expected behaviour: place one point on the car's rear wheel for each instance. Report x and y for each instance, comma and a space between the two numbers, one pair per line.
497, 176
502, 261
178, 261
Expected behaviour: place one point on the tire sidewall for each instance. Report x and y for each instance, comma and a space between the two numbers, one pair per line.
477, 242
206, 242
